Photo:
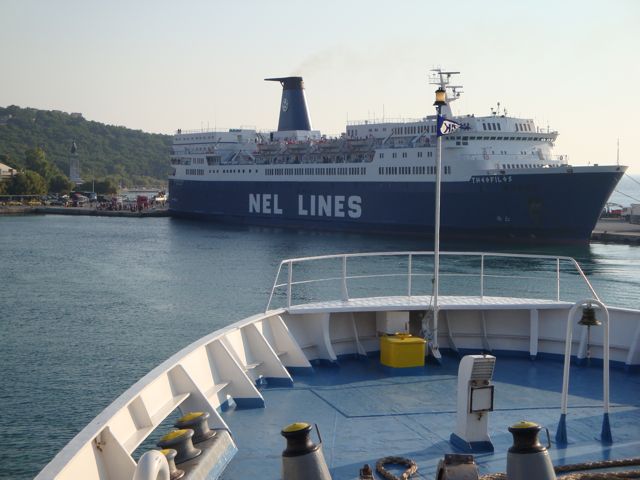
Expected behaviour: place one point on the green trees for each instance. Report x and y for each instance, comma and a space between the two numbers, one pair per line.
38, 177
59, 183
129, 156
27, 183
36, 160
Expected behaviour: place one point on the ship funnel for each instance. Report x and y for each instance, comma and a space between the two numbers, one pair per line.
293, 106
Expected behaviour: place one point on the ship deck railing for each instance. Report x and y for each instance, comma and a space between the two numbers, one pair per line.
409, 275
385, 121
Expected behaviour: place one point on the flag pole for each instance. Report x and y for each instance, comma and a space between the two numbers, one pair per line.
440, 101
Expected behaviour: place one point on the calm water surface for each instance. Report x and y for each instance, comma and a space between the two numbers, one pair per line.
89, 305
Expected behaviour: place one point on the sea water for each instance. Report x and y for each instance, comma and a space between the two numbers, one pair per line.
91, 304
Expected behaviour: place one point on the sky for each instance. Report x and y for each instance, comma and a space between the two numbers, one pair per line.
159, 65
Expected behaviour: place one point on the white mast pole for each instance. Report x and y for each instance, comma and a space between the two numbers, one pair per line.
436, 246
440, 101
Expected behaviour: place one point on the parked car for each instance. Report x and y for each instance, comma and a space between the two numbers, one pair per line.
79, 200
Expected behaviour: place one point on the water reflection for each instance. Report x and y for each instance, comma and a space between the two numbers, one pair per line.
612, 269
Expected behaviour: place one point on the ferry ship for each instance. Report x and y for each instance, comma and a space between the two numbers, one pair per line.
500, 177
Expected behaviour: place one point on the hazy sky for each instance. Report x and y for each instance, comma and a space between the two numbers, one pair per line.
159, 66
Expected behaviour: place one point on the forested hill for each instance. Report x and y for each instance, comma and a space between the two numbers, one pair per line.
133, 156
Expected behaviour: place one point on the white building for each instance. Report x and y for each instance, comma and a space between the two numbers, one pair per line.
6, 172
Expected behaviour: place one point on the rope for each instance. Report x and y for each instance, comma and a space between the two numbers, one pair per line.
601, 476
586, 475
412, 467
633, 180
621, 193
624, 462
577, 476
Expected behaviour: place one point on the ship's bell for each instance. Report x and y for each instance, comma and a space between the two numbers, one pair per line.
589, 317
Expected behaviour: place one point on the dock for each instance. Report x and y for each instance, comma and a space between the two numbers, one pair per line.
615, 230
148, 212
86, 211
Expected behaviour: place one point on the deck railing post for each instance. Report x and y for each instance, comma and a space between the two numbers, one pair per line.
482, 276
409, 275
345, 292
273, 288
557, 279
289, 280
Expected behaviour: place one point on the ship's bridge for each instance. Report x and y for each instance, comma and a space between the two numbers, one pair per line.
492, 124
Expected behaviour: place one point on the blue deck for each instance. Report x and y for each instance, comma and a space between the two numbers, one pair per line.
364, 413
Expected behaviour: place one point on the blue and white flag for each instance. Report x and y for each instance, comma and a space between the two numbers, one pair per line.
446, 127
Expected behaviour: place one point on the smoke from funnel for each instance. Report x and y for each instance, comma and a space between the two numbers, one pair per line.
293, 106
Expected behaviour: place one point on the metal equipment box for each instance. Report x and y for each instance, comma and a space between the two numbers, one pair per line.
402, 350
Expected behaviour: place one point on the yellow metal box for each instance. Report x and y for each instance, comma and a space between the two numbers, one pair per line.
402, 350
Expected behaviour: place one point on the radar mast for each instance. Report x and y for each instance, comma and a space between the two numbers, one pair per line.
443, 80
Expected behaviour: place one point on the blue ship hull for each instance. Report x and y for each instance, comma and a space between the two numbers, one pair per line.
550, 207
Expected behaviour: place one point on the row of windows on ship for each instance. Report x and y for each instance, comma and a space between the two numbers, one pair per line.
200, 171
313, 158
407, 130
528, 139
416, 129
316, 171
201, 161
404, 154
520, 127
416, 170
286, 171
333, 171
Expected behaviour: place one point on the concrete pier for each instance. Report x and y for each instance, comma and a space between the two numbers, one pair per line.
615, 230
89, 211
149, 212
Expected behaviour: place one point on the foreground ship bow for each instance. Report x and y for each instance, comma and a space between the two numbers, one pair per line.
334, 359
500, 178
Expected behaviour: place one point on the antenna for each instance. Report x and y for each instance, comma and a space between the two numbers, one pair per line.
443, 80
618, 153
456, 90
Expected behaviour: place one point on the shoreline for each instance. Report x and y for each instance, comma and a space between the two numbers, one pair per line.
84, 211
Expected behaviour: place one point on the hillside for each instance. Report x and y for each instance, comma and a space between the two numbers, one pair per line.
131, 156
